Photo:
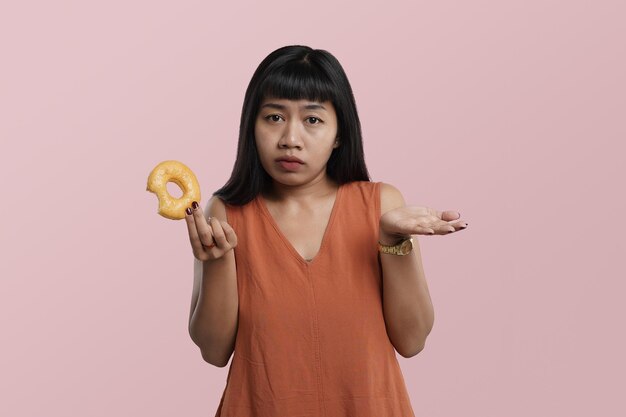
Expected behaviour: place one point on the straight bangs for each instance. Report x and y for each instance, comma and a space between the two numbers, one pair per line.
298, 81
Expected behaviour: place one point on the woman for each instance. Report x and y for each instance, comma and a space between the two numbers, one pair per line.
294, 253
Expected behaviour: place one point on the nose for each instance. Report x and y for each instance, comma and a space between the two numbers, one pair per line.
290, 136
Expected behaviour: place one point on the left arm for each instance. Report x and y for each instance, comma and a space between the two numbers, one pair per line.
407, 306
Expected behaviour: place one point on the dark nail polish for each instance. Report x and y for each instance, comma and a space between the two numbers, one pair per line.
194, 205
188, 210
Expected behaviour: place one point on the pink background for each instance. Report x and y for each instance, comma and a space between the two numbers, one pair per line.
510, 112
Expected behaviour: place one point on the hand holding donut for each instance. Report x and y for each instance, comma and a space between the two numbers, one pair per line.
210, 239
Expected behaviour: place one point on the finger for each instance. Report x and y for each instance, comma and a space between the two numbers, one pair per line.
449, 215
212, 243
446, 215
459, 225
205, 234
423, 230
231, 236
218, 234
208, 242
442, 228
196, 245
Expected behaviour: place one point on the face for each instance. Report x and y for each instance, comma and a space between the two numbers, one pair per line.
300, 128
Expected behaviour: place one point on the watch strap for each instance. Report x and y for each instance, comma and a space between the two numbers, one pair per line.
395, 249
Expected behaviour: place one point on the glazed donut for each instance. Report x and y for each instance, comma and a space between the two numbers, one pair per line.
180, 174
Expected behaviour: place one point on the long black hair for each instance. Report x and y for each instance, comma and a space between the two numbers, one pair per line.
296, 72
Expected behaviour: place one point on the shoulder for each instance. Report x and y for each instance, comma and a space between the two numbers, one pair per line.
390, 198
215, 207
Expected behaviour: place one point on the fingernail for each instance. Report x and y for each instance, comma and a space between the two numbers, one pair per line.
188, 210
194, 205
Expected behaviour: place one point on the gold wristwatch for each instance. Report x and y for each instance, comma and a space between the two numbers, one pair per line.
401, 248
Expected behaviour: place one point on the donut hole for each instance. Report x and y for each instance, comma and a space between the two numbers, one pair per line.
174, 190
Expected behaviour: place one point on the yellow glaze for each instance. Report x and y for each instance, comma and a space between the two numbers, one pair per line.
180, 174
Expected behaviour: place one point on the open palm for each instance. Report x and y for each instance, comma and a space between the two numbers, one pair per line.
411, 220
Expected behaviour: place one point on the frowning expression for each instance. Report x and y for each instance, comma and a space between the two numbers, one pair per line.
302, 129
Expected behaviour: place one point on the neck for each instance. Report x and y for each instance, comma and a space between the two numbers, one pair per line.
302, 193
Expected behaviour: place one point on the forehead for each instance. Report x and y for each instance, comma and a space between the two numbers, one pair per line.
284, 104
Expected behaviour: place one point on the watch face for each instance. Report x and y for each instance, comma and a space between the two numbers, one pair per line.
406, 247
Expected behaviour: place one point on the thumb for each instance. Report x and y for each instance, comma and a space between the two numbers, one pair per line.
450, 215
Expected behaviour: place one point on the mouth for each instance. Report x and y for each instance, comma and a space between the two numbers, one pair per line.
289, 159
289, 165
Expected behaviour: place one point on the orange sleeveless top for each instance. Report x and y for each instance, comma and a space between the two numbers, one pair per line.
311, 338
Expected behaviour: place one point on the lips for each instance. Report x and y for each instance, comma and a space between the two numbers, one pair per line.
290, 159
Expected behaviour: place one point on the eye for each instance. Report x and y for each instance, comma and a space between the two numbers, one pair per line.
270, 116
312, 117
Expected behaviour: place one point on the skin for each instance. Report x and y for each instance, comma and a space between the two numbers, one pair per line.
301, 203
309, 134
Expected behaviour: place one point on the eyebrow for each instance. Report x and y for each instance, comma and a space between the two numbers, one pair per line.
282, 107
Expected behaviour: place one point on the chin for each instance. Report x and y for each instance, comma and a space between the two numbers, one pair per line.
287, 181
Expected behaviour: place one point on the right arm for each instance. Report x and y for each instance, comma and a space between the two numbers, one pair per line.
213, 317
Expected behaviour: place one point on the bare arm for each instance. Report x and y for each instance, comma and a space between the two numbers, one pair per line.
407, 305
213, 317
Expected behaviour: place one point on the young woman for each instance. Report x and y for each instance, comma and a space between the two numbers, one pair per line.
304, 267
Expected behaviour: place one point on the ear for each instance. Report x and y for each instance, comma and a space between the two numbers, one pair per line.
337, 142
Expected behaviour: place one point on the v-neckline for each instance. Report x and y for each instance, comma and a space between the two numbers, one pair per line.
291, 248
